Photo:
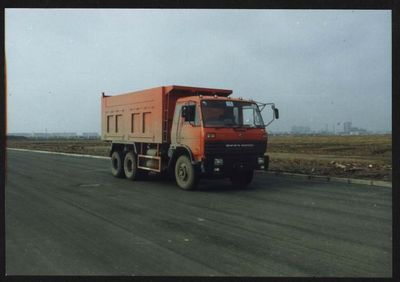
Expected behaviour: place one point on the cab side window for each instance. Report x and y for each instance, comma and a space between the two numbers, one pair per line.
196, 114
178, 111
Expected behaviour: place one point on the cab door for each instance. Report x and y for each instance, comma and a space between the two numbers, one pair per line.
187, 133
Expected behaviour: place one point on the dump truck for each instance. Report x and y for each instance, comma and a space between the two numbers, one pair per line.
187, 133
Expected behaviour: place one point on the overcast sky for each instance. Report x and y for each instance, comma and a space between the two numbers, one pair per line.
320, 67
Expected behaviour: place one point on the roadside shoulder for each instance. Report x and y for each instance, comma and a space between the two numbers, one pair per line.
378, 183
58, 153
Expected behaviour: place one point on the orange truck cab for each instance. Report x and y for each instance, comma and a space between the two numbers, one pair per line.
187, 133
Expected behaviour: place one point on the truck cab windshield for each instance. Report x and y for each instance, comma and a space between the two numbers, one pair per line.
230, 114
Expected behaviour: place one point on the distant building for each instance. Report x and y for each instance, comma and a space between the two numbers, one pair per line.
90, 135
55, 135
358, 131
66, 135
347, 127
21, 134
300, 130
41, 135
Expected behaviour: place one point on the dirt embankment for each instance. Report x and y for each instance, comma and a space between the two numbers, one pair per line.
365, 157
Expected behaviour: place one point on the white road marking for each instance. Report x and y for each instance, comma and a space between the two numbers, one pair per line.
59, 153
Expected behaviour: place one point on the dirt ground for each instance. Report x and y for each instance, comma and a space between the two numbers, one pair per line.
364, 157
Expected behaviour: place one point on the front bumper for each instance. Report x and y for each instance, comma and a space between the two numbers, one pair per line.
233, 164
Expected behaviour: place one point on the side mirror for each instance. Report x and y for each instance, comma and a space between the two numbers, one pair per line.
188, 112
276, 113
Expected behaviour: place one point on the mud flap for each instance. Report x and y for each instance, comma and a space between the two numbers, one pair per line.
266, 162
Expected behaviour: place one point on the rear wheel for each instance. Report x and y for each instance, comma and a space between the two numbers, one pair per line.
243, 179
186, 176
130, 167
117, 169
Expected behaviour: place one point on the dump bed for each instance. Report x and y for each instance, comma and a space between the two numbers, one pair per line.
145, 116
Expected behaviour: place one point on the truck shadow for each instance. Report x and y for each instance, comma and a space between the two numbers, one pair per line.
205, 185
215, 185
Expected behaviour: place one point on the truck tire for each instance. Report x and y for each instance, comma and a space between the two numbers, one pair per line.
242, 180
130, 167
117, 169
186, 175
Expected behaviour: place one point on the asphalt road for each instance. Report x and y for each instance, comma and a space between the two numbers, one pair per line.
68, 215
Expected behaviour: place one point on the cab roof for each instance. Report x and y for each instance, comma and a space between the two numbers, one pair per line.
221, 98
183, 91
197, 90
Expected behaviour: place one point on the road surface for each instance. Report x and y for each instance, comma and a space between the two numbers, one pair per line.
67, 215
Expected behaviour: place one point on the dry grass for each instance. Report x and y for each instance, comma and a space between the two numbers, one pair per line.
369, 145
367, 157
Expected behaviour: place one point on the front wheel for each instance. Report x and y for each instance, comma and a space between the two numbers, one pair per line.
186, 176
242, 180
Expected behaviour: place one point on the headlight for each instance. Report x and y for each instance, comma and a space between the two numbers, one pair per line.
218, 162
260, 161
210, 135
